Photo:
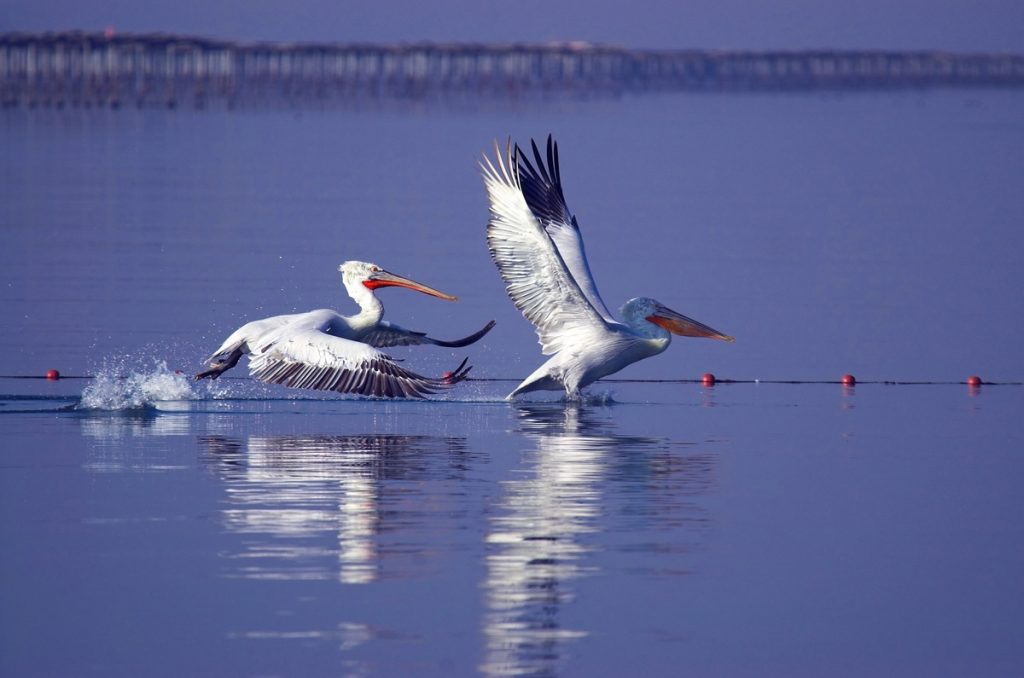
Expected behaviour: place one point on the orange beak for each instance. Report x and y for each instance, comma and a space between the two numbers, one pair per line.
386, 279
677, 323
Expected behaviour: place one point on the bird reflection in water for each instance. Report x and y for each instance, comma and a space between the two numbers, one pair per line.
547, 528
287, 494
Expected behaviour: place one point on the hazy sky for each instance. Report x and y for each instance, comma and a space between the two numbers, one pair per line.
786, 24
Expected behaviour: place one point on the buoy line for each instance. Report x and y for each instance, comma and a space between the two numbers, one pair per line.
707, 379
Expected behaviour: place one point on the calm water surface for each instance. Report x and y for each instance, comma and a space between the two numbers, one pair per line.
872, 234
739, 530
156, 527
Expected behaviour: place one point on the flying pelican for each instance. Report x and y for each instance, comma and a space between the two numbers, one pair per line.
325, 350
536, 243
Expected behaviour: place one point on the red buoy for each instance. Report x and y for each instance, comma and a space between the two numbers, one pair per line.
708, 379
446, 378
974, 380
52, 375
849, 380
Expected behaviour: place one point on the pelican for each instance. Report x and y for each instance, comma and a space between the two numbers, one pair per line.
325, 350
536, 243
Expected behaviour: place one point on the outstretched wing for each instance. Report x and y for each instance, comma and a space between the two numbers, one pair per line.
537, 276
542, 189
389, 334
309, 358
385, 334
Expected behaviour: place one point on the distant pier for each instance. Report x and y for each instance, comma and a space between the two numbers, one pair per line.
76, 69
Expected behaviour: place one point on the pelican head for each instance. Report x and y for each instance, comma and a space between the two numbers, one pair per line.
643, 311
372, 276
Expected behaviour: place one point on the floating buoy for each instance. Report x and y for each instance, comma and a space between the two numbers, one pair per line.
708, 379
446, 378
974, 380
52, 375
849, 380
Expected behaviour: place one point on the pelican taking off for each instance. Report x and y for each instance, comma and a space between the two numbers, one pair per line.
328, 351
536, 243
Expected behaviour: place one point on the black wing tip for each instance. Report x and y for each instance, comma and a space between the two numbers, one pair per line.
556, 173
460, 373
546, 170
540, 162
540, 181
465, 341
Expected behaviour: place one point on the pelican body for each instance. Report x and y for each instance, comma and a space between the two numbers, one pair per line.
536, 244
325, 350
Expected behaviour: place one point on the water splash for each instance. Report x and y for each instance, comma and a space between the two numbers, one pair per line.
118, 388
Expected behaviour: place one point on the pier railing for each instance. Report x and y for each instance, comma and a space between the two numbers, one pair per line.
91, 69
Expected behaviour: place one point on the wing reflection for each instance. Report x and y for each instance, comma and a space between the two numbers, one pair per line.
543, 534
314, 507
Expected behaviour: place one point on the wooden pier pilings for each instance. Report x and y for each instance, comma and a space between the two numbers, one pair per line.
89, 69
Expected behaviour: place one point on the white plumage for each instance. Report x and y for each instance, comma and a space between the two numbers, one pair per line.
536, 243
325, 350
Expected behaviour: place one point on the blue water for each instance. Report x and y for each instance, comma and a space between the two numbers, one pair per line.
871, 234
154, 526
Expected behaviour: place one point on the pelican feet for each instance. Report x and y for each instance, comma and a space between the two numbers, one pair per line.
219, 368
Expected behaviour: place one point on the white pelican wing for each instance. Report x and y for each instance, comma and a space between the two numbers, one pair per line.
542, 189
537, 277
308, 358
